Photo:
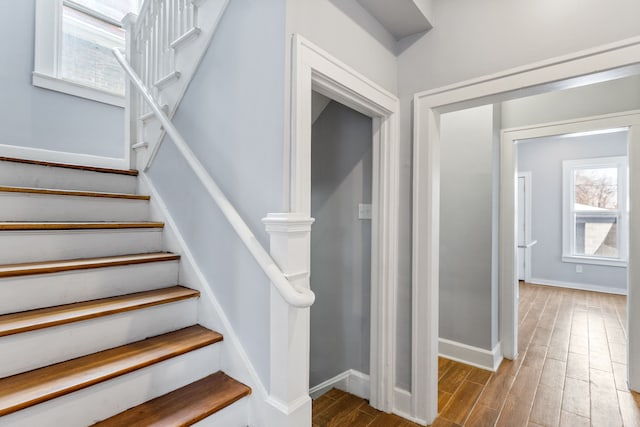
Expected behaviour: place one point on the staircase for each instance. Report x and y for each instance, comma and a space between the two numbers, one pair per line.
94, 325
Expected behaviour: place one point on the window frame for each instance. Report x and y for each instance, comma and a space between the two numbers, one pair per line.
48, 33
568, 210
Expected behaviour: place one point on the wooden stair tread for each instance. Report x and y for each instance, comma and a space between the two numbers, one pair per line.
131, 172
30, 388
95, 225
24, 269
184, 406
53, 316
76, 193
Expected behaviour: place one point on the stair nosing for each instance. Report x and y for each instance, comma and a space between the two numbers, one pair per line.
241, 390
56, 315
129, 172
90, 372
48, 267
76, 225
72, 193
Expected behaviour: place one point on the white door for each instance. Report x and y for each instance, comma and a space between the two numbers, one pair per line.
524, 226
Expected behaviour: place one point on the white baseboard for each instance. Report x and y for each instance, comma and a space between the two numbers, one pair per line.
351, 381
578, 286
474, 356
29, 153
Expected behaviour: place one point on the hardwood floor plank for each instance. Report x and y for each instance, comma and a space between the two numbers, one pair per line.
546, 406
568, 419
482, 416
553, 373
576, 397
462, 402
443, 399
479, 376
629, 408
578, 366
339, 411
452, 379
604, 399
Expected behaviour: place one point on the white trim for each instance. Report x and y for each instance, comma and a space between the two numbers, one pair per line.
68, 87
351, 381
568, 209
475, 356
29, 153
402, 400
601, 63
315, 69
578, 286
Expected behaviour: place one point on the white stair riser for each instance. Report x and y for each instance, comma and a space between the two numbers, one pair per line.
234, 415
27, 175
41, 207
46, 290
69, 341
103, 400
35, 246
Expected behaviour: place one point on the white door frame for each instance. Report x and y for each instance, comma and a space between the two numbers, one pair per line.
527, 221
508, 203
314, 69
589, 66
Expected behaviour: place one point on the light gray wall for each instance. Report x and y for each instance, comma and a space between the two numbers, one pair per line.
341, 152
348, 32
543, 158
232, 117
466, 220
39, 118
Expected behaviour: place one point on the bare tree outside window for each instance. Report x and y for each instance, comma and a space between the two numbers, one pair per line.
597, 188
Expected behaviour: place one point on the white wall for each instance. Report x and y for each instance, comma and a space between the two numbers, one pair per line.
543, 158
39, 118
341, 178
232, 118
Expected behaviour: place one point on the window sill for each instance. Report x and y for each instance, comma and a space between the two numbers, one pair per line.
593, 260
71, 88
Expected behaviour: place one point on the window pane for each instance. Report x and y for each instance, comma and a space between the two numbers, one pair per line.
596, 235
596, 189
115, 9
86, 55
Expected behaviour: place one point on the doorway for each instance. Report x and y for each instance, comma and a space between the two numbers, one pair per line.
596, 65
341, 189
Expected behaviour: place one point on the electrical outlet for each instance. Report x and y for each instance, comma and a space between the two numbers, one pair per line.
578, 269
364, 211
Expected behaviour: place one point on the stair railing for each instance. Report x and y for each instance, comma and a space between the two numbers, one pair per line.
297, 297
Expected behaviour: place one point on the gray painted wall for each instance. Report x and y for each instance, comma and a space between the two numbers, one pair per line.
39, 118
341, 150
232, 117
467, 286
543, 158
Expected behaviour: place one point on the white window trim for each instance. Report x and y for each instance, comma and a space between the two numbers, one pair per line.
47, 42
567, 211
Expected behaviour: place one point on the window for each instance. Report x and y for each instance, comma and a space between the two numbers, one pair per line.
73, 46
595, 211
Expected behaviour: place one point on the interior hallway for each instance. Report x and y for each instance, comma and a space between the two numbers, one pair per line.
570, 372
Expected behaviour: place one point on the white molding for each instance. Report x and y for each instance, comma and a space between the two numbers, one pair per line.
29, 153
315, 69
351, 381
601, 63
475, 356
402, 405
579, 286
69, 87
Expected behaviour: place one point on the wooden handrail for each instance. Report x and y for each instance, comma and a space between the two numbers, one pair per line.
300, 298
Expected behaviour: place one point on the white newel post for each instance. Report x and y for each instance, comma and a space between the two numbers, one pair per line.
290, 327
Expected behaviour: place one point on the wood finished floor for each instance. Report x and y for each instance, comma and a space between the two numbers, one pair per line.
570, 372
